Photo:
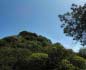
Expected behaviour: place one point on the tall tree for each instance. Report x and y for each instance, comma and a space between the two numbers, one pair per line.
74, 23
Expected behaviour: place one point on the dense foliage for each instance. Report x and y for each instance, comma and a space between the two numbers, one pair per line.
74, 23
29, 51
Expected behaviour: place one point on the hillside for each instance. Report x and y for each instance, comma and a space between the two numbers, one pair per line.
29, 51
25, 40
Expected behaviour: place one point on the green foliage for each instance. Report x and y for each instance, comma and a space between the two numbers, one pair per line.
66, 65
37, 61
78, 62
39, 56
2, 43
28, 36
10, 56
44, 41
27, 40
74, 23
82, 52
28, 51
56, 54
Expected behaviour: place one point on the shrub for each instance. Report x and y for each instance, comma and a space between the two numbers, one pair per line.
78, 62
37, 61
66, 65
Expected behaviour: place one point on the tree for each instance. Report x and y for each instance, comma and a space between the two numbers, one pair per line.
82, 52
55, 54
78, 61
37, 61
74, 23
66, 65
13, 59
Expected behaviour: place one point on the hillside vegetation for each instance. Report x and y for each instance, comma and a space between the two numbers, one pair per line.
29, 51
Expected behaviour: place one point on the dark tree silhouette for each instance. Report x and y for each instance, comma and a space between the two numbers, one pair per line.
74, 23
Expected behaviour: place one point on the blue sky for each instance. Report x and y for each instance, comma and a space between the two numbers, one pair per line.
39, 16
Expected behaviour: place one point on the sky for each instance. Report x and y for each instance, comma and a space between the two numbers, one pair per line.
39, 16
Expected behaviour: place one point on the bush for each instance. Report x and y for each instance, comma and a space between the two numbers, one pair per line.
9, 57
78, 62
82, 52
37, 61
66, 65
